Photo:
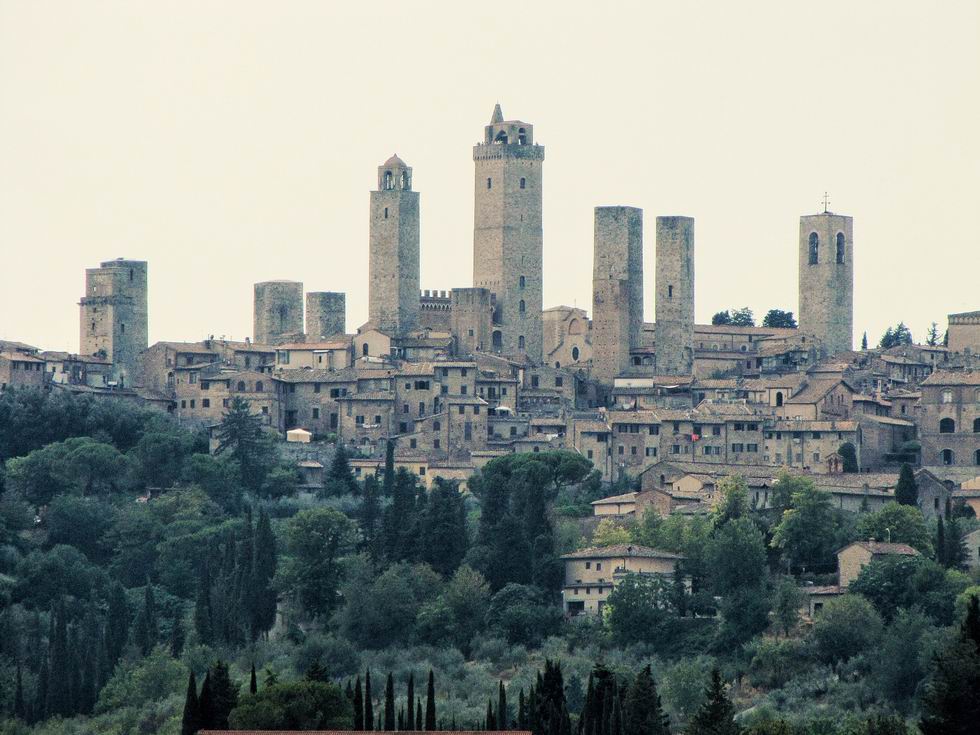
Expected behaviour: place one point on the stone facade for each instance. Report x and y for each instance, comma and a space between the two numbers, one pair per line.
278, 312
949, 418
507, 233
326, 314
675, 295
964, 332
619, 256
591, 574
472, 319
610, 329
114, 316
393, 288
826, 252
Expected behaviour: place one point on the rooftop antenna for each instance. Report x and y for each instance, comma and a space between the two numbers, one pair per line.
826, 203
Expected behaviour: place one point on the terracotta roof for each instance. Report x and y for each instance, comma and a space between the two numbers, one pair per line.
953, 377
616, 499
622, 550
879, 548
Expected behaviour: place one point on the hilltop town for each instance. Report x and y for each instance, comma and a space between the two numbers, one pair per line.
459, 376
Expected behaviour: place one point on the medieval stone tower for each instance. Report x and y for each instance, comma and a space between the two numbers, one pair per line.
827, 280
114, 315
393, 288
278, 312
507, 234
326, 314
471, 318
619, 255
610, 328
675, 295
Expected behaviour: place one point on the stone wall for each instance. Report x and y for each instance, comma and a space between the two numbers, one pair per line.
278, 312
326, 314
675, 295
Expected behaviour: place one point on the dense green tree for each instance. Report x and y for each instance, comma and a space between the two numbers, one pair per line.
368, 702
401, 522
222, 697
787, 601
59, 695
298, 705
410, 701
805, 533
458, 613
846, 627
389, 710
317, 539
906, 492
190, 721
80, 522
955, 554
717, 715
848, 454
743, 317
443, 526
146, 630
736, 556
430, 703
951, 701
241, 434
117, 622
779, 318
901, 664
864, 341
895, 582
643, 713
721, 318
520, 614
263, 597
339, 479
900, 524
503, 718
640, 609
358, 704
369, 518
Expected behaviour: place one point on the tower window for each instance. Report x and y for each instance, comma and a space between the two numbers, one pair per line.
406, 182
388, 182
670, 292
840, 247
814, 248
122, 328
386, 212
522, 281
523, 182
521, 140
489, 183
520, 342
575, 354
130, 274
521, 307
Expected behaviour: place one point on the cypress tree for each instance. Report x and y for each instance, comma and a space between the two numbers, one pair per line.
410, 696
956, 553
521, 711
502, 719
58, 700
401, 718
147, 629
906, 492
717, 714
941, 542
253, 684
388, 487
20, 708
205, 705
177, 638
430, 703
369, 516
40, 710
617, 714
264, 565
951, 701
368, 704
358, 706
203, 612
418, 714
389, 703
644, 713
191, 721
490, 722
74, 673
224, 695
117, 623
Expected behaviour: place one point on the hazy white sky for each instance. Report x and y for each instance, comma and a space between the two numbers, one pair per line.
234, 142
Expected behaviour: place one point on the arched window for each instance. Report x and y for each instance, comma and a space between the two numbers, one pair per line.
557, 364
575, 354
521, 139
976, 457
364, 349
523, 183
520, 342
521, 307
406, 184
436, 425
501, 137
814, 248
947, 426
840, 247
779, 398
497, 340
976, 426
241, 386
388, 181
947, 456
522, 281
670, 292
258, 386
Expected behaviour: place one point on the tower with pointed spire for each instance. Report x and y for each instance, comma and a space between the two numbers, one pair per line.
393, 286
507, 234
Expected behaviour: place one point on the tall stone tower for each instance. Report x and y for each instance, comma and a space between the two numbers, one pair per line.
610, 328
675, 295
326, 314
278, 312
507, 234
114, 315
827, 279
393, 288
471, 318
619, 255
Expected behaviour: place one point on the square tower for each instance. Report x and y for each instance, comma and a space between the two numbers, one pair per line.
114, 315
393, 285
507, 233
675, 295
277, 315
610, 329
827, 280
619, 255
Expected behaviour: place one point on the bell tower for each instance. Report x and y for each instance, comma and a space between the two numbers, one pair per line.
826, 252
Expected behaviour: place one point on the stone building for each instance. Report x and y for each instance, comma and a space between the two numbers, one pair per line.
471, 317
857, 555
18, 369
507, 233
278, 312
619, 256
568, 336
949, 418
393, 288
675, 295
326, 314
826, 255
114, 316
964, 332
610, 329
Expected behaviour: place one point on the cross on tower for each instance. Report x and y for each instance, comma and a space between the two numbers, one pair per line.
826, 202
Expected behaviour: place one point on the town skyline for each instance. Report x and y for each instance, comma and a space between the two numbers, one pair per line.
218, 192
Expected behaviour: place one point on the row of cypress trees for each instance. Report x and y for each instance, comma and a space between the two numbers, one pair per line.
411, 717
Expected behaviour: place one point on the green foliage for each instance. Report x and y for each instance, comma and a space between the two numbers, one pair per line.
640, 608
736, 557
609, 533
779, 318
139, 682
846, 627
805, 533
721, 318
951, 702
906, 492
242, 436
895, 582
298, 705
900, 524
717, 714
787, 601
895, 337
849, 455
521, 615
317, 539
